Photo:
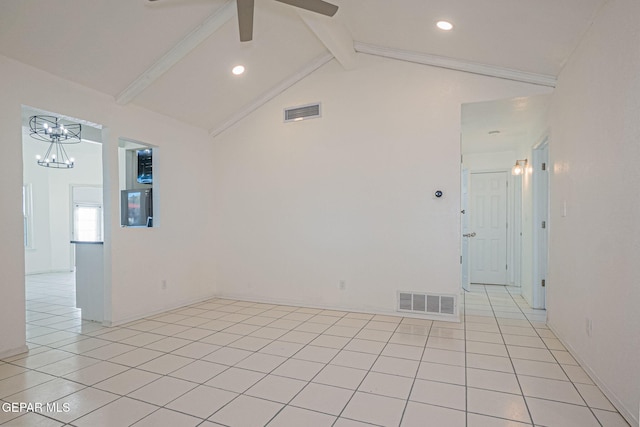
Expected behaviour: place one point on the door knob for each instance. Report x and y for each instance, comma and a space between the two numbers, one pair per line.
469, 234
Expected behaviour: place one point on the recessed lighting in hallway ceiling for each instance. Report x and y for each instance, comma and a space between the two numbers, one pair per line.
444, 25
237, 70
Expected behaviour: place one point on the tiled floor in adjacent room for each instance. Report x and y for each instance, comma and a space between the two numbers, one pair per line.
236, 363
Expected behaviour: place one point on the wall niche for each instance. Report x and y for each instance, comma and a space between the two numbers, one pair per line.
137, 208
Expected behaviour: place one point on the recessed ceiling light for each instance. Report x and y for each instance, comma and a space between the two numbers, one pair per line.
444, 25
237, 70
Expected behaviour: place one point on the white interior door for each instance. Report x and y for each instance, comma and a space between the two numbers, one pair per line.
488, 220
464, 226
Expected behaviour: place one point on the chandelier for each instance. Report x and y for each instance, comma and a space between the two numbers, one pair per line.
51, 129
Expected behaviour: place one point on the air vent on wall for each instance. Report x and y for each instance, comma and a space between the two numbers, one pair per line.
427, 303
302, 112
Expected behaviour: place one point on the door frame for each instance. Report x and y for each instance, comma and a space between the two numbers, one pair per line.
465, 175
515, 230
509, 215
540, 192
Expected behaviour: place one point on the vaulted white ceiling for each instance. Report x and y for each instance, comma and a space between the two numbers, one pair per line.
504, 124
175, 56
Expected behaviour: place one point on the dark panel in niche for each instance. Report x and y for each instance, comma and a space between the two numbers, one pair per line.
145, 166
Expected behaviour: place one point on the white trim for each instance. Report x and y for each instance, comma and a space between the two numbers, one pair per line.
543, 140
540, 192
272, 93
27, 201
343, 307
199, 34
280, 301
457, 64
465, 272
613, 398
516, 230
136, 317
14, 352
334, 35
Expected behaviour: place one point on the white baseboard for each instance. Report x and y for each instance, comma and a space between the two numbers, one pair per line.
278, 301
625, 412
150, 313
340, 307
13, 352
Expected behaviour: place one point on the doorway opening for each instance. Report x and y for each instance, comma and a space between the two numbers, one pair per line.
497, 206
61, 205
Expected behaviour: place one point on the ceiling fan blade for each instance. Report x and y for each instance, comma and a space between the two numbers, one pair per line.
318, 6
245, 19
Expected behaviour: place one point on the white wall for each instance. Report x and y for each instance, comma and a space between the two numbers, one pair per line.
138, 259
301, 206
594, 148
51, 250
490, 161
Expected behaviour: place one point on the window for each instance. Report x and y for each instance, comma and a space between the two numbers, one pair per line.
27, 214
87, 222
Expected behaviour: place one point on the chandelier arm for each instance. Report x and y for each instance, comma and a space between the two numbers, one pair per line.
65, 157
48, 153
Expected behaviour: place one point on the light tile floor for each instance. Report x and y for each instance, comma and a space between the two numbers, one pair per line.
238, 363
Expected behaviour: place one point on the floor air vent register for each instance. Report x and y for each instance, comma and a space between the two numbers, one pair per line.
427, 303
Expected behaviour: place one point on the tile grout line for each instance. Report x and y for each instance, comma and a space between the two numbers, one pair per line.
234, 365
308, 320
563, 370
415, 376
510, 359
56, 346
177, 397
488, 298
532, 376
309, 381
368, 370
286, 358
